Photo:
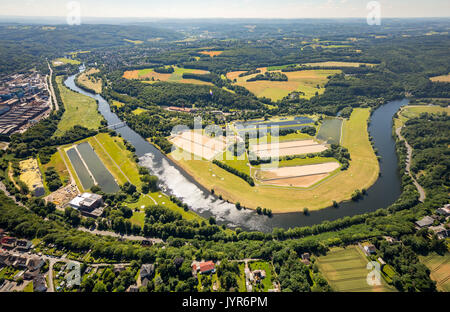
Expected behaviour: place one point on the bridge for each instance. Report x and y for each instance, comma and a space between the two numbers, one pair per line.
116, 126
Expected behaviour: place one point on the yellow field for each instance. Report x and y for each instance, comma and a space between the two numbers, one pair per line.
305, 81
139, 111
440, 269
338, 64
211, 53
413, 111
443, 78
62, 61
150, 76
362, 173
30, 174
91, 82
134, 41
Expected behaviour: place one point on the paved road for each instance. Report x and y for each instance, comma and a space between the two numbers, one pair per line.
52, 91
409, 149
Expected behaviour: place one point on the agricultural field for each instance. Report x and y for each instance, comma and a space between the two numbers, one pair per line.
299, 176
79, 110
309, 82
346, 271
286, 148
362, 173
440, 269
150, 76
134, 41
62, 61
211, 53
90, 82
201, 145
413, 111
442, 78
339, 64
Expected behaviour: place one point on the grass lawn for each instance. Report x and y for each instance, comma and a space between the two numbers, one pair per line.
80, 110
413, 111
362, 173
345, 269
241, 280
237, 162
90, 82
305, 81
267, 267
64, 61
28, 287
116, 149
139, 111
161, 199
440, 269
57, 162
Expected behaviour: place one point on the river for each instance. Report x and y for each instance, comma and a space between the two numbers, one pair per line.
174, 181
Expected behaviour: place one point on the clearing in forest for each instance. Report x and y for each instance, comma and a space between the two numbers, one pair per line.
149, 75
309, 82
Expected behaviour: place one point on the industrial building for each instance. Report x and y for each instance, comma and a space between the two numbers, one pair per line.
88, 204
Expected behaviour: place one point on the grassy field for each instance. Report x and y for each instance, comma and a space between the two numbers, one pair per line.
211, 53
362, 173
346, 271
442, 78
79, 110
415, 110
148, 75
134, 41
440, 269
57, 162
161, 199
338, 64
62, 61
267, 267
305, 81
139, 111
90, 82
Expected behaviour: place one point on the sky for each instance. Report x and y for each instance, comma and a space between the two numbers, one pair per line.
224, 8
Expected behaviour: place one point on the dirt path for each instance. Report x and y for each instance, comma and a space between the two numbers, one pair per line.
409, 149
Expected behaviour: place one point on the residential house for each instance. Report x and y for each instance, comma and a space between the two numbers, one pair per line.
147, 273
425, 221
8, 242
440, 231
204, 267
35, 263
24, 245
445, 211
370, 249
